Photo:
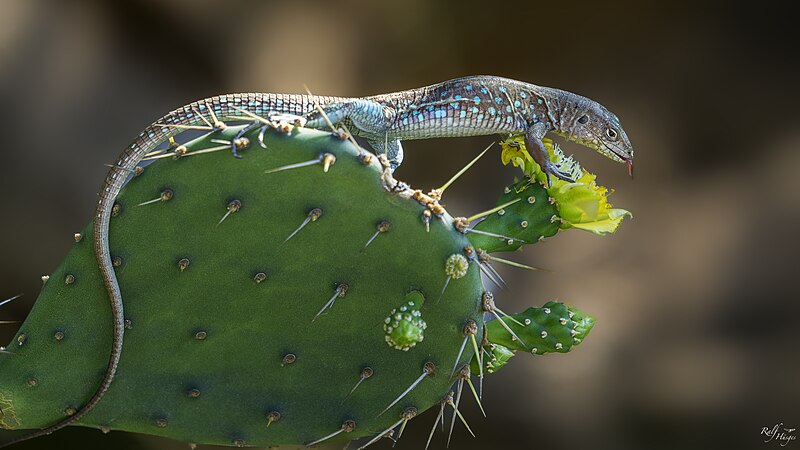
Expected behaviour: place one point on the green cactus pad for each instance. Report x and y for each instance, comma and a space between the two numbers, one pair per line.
532, 217
554, 327
237, 335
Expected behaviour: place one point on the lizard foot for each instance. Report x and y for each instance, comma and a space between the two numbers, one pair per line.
241, 133
552, 169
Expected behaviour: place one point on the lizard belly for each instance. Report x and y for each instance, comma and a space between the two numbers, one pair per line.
417, 126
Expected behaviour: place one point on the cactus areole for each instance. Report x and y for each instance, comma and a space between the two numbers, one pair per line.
295, 296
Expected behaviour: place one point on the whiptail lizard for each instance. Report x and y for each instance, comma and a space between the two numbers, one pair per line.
469, 106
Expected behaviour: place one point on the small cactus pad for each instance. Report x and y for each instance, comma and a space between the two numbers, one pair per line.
554, 327
532, 217
404, 326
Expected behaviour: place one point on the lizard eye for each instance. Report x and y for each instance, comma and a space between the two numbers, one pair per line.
611, 133
583, 119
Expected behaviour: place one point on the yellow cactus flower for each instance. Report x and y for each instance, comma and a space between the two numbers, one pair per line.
582, 204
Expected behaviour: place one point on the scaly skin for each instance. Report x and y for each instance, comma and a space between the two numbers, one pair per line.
469, 106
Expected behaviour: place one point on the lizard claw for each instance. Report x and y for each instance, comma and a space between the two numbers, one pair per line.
261, 133
552, 169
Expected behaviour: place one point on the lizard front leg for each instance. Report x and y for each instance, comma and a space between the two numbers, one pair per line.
534, 144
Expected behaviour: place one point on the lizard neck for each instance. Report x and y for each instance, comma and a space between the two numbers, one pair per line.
563, 108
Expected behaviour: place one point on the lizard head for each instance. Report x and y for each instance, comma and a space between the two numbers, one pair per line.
590, 124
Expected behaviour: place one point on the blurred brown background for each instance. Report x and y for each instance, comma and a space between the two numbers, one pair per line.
697, 338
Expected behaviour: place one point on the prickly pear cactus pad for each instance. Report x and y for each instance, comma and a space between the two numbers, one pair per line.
298, 295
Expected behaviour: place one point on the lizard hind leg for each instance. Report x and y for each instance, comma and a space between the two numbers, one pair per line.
372, 119
369, 116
